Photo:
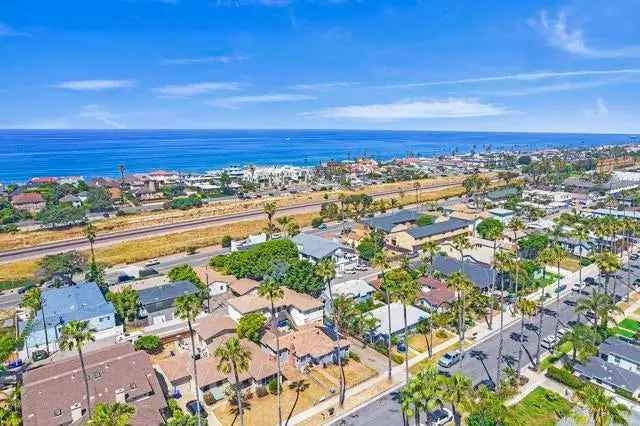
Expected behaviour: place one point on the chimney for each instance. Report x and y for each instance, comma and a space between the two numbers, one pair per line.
76, 412
120, 396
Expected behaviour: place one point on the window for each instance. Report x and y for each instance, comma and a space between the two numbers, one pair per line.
57, 412
102, 319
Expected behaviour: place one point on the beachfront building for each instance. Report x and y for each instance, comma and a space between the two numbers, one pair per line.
83, 302
503, 215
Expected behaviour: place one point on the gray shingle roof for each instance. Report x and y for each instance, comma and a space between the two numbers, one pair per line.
166, 292
481, 274
620, 348
450, 225
611, 374
388, 221
499, 194
315, 246
414, 315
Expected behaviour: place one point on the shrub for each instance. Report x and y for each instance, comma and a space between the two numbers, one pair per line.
149, 344
441, 334
354, 356
226, 241
273, 386
565, 377
209, 399
397, 358
316, 221
424, 220
625, 394
191, 250
261, 391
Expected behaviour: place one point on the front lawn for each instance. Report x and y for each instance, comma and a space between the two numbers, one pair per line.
541, 407
561, 351
623, 332
418, 342
629, 324
354, 372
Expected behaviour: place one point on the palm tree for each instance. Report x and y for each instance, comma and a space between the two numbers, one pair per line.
188, 307
90, 233
33, 301
528, 308
601, 305
425, 327
583, 341
604, 408
544, 258
326, 270
233, 358
503, 264
608, 263
430, 248
75, 335
461, 243
456, 390
270, 289
581, 234
416, 186
270, 208
284, 222
112, 414
121, 169
407, 293
381, 262
461, 285
559, 255
493, 234
411, 400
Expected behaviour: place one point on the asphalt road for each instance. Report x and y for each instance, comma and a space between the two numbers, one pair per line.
481, 359
116, 237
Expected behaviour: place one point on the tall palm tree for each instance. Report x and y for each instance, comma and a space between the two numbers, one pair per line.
503, 265
33, 301
416, 186
270, 289
233, 358
608, 263
76, 335
527, 308
112, 414
602, 306
411, 400
90, 233
583, 340
493, 234
559, 255
382, 262
461, 284
461, 243
407, 293
270, 208
544, 258
188, 307
326, 270
425, 327
457, 390
604, 408
284, 222
581, 234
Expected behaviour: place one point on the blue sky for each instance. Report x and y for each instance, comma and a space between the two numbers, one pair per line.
570, 66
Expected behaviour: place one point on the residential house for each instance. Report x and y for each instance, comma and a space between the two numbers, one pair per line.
577, 247
502, 194
157, 304
414, 316
503, 215
216, 282
392, 222
83, 302
213, 326
434, 294
314, 249
358, 290
54, 394
309, 346
480, 250
300, 309
411, 240
482, 275
32, 202
608, 375
621, 353
71, 200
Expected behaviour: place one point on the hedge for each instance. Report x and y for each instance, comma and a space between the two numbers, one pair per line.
565, 377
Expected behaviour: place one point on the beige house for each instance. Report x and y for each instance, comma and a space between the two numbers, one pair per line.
412, 239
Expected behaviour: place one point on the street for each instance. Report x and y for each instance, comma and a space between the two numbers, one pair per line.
481, 359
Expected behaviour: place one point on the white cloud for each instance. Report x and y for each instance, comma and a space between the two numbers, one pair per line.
449, 108
193, 89
94, 85
532, 76
105, 117
222, 59
236, 101
323, 86
560, 36
7, 31
601, 107
551, 88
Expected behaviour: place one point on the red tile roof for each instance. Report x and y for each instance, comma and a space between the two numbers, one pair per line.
27, 198
435, 292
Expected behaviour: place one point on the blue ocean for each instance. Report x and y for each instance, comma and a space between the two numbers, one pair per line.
28, 153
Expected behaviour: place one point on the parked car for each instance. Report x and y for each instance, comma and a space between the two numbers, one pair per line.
152, 262
634, 256
562, 331
349, 271
449, 359
590, 315
322, 227
441, 416
128, 337
361, 267
26, 288
578, 287
192, 406
590, 281
549, 342
39, 355
560, 288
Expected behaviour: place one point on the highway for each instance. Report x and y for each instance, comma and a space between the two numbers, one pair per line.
157, 230
480, 362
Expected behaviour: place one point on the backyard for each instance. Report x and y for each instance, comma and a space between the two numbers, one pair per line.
541, 407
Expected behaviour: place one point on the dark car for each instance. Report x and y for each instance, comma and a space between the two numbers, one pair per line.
589, 281
39, 355
26, 288
192, 406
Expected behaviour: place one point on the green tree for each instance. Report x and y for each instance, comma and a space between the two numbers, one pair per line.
112, 414
76, 335
490, 229
187, 273
604, 408
55, 216
406, 292
65, 264
301, 276
270, 208
149, 344
381, 262
583, 341
234, 358
601, 305
526, 308
425, 327
608, 263
424, 220
270, 289
462, 286
250, 326
457, 390
33, 301
188, 307
125, 303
